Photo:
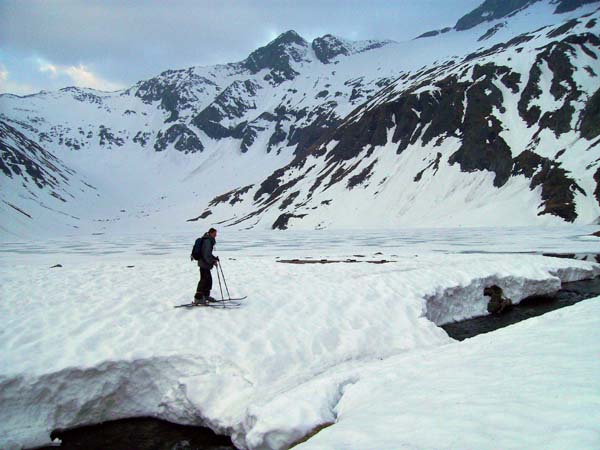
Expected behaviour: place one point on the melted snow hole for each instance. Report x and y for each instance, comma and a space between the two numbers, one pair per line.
457, 303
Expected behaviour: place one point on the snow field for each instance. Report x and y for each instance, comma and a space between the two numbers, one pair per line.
96, 340
530, 385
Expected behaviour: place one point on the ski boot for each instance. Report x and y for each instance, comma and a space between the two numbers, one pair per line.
200, 301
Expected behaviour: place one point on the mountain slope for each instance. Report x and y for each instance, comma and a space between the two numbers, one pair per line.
34, 181
470, 140
436, 131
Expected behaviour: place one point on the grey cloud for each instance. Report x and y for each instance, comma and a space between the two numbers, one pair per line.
128, 41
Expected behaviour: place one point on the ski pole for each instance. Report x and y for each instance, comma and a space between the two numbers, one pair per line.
220, 287
226, 288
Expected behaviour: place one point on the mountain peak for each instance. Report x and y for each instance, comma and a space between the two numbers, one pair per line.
289, 37
491, 10
329, 47
277, 56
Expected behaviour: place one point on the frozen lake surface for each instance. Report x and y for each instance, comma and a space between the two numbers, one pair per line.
567, 239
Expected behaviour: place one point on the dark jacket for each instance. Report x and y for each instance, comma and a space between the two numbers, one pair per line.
207, 259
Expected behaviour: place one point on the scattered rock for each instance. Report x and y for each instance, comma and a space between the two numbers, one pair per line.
498, 302
579, 256
331, 261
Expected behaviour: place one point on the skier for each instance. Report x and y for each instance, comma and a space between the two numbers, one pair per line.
203, 253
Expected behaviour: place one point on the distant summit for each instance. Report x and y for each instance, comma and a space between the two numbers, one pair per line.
491, 10
329, 47
277, 56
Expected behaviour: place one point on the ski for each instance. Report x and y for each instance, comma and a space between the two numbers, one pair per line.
222, 304
211, 305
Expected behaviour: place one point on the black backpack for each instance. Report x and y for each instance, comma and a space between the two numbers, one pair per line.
197, 249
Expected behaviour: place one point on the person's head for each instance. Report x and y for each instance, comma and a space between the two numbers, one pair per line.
212, 233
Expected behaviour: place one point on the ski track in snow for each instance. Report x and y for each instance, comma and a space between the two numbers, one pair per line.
96, 340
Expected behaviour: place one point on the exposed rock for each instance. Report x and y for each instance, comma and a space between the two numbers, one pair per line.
141, 138
329, 47
233, 103
597, 190
558, 189
557, 57
491, 10
566, 27
232, 197
277, 56
362, 177
209, 121
108, 138
531, 92
482, 146
21, 156
492, 31
282, 221
434, 33
174, 89
289, 200
435, 164
204, 215
321, 122
570, 5
16, 208
590, 118
185, 140
331, 261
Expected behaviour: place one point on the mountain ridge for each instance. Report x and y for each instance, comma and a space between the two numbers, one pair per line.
239, 141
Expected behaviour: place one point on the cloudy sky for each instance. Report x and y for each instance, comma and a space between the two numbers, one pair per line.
110, 44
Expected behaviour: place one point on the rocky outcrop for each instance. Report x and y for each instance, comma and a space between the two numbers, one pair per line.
176, 90
571, 5
231, 104
491, 10
464, 102
329, 47
558, 188
590, 118
184, 140
277, 57
36, 167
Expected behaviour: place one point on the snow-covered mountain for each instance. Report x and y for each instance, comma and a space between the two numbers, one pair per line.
492, 122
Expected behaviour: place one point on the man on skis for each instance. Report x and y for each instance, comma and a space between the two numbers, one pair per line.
203, 253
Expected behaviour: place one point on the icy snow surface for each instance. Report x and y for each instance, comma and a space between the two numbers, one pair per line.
354, 344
